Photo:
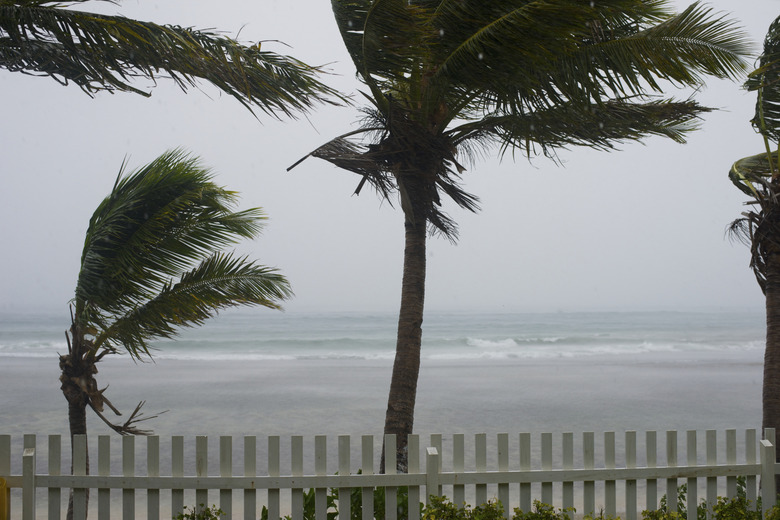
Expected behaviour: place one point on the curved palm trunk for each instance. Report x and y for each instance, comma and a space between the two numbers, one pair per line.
75, 371
399, 419
771, 384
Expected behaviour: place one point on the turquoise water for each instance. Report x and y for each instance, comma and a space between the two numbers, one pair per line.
276, 336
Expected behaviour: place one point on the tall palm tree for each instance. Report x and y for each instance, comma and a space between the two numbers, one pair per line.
448, 79
99, 52
758, 176
153, 262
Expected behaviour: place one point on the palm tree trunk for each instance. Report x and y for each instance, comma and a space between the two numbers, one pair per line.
771, 385
77, 413
399, 419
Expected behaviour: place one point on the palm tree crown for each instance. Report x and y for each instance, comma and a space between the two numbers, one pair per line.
99, 52
153, 262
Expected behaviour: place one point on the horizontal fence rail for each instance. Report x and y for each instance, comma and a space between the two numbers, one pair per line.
614, 476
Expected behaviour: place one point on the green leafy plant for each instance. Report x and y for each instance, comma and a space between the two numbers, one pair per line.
202, 513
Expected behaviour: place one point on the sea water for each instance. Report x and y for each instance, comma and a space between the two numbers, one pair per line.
475, 337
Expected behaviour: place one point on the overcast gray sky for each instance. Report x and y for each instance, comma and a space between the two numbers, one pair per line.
642, 228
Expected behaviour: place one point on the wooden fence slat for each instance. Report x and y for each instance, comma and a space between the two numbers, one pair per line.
712, 459
671, 461
177, 470
296, 462
226, 470
104, 469
525, 465
414, 469
5, 469
28, 485
345, 468
503, 465
480, 459
367, 493
55, 468
79, 468
391, 503
731, 458
250, 470
153, 470
631, 486
651, 456
201, 470
547, 463
128, 470
458, 466
610, 486
751, 446
693, 483
589, 462
274, 470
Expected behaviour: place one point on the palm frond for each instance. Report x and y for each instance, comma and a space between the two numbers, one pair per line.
158, 221
220, 281
598, 126
99, 52
750, 174
766, 81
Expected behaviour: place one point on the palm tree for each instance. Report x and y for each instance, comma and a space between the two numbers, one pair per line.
99, 52
448, 79
153, 262
758, 177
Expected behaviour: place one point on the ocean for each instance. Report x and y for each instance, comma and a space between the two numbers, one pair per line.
270, 373
248, 372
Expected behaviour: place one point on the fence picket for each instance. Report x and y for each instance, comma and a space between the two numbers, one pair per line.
153, 470
79, 469
391, 504
345, 468
274, 470
503, 465
671, 461
55, 469
712, 459
589, 462
651, 484
480, 458
128, 470
731, 458
177, 470
367, 457
525, 465
296, 501
414, 469
750, 458
568, 463
104, 469
459, 466
250, 470
631, 487
692, 460
547, 463
610, 486
226, 470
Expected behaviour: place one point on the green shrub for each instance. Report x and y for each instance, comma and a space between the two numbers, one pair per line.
201, 513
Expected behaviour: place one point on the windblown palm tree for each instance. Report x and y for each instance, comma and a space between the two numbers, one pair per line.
449, 79
758, 176
99, 52
153, 262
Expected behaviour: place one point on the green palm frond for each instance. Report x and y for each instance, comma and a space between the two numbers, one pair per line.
99, 52
598, 126
751, 173
219, 282
766, 81
160, 221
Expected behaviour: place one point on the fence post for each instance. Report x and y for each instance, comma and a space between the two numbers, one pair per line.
28, 484
432, 469
768, 497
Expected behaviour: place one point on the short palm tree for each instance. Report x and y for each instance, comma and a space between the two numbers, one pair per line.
99, 52
153, 262
758, 176
450, 79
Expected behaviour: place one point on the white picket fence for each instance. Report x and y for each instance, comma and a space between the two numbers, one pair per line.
515, 470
